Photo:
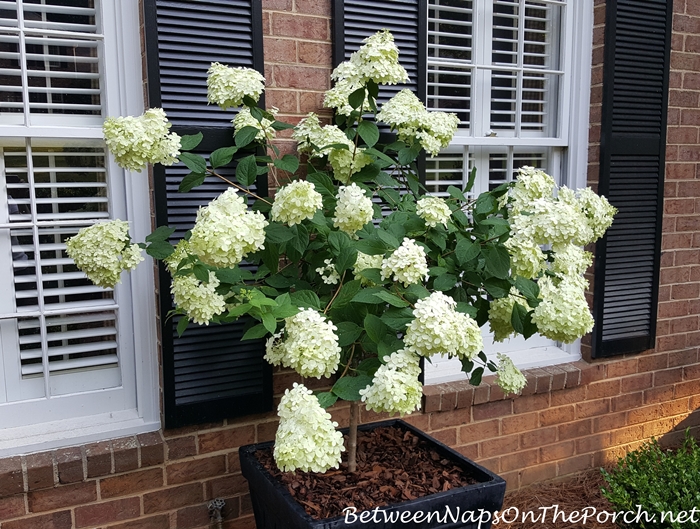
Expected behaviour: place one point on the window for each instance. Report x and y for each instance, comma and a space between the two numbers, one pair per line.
68, 349
516, 72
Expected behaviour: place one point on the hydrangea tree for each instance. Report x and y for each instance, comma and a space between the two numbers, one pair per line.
359, 272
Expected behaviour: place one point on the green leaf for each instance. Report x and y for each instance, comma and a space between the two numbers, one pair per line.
456, 193
278, 233
369, 133
408, 154
247, 171
369, 366
485, 204
161, 233
389, 345
305, 299
466, 250
467, 366
194, 162
347, 292
357, 98
326, 399
346, 259
475, 379
281, 125
466, 308
182, 325
445, 282
497, 260
517, 318
189, 142
271, 256
201, 272
416, 292
497, 288
245, 135
191, 181
380, 155
269, 322
374, 275
397, 319
348, 332
239, 310
287, 163
367, 295
391, 299
528, 288
222, 156
160, 249
375, 327
470, 182
298, 243
322, 183
371, 247
348, 388
255, 332
388, 238
339, 240
284, 311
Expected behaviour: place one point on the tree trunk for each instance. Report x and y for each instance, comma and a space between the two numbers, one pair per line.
352, 436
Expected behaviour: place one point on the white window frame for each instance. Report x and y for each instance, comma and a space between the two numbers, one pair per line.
122, 94
570, 170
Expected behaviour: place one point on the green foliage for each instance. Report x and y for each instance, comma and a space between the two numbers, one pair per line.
661, 481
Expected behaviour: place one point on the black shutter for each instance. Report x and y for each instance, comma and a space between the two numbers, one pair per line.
208, 373
632, 153
355, 20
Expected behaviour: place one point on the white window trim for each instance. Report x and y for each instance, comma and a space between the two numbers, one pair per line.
578, 50
123, 74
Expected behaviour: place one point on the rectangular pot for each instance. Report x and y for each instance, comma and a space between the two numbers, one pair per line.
464, 508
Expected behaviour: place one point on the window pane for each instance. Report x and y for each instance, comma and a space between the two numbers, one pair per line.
10, 74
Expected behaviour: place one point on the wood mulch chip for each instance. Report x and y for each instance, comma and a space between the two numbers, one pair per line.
393, 465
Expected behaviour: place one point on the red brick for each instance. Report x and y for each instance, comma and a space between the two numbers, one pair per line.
575, 429
55, 520
668, 376
40, 473
280, 50
482, 394
627, 401
70, 464
11, 481
314, 7
161, 521
62, 496
277, 5
491, 410
622, 368
479, 432
530, 403
172, 498
440, 420
316, 53
557, 415
126, 454
499, 446
224, 487
469, 451
431, 399
521, 459
99, 459
538, 473
655, 395
300, 27
191, 517
181, 447
687, 257
592, 443
691, 372
591, 373
519, 423
11, 506
448, 398
556, 451
652, 362
592, 408
686, 389
131, 483
607, 388
684, 98
151, 448
539, 437
195, 469
636, 383
574, 464
558, 377
679, 171
569, 396
609, 422
107, 512
447, 436
226, 439
301, 77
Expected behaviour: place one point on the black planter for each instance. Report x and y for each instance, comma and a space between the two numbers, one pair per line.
275, 508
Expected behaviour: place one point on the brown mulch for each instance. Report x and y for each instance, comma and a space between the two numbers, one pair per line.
392, 466
570, 495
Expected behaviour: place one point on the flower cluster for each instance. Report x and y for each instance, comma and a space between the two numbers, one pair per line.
508, 377
137, 141
102, 251
353, 209
408, 264
228, 86
437, 328
306, 439
395, 387
433, 210
310, 345
295, 202
225, 231
532, 184
363, 262
328, 273
198, 299
563, 313
377, 60
245, 119
500, 315
407, 114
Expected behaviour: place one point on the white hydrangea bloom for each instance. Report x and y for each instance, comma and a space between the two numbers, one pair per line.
346, 78
437, 328
353, 209
395, 387
570, 260
407, 114
228, 86
137, 141
433, 210
552, 222
597, 210
182, 251
508, 377
295, 202
345, 164
526, 256
408, 264
199, 300
563, 313
378, 60
102, 251
500, 312
310, 345
306, 438
531, 184
328, 273
365, 261
245, 119
225, 231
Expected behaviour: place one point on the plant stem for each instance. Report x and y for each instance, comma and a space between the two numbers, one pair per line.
246, 191
335, 295
352, 436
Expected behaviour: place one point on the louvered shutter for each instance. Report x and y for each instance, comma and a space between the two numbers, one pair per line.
632, 151
209, 373
355, 20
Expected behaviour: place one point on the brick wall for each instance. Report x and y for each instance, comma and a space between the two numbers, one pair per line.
569, 418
